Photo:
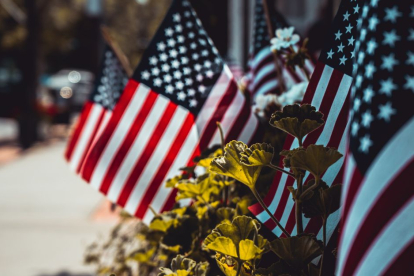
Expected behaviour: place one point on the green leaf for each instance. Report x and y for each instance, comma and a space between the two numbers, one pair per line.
257, 155
223, 245
229, 165
297, 251
316, 159
248, 250
297, 120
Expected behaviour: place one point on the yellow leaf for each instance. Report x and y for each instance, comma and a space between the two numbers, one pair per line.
248, 250
223, 245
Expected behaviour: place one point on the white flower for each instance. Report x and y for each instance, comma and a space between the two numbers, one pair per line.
294, 94
284, 38
262, 102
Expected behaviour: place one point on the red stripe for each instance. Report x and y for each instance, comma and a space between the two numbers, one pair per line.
403, 264
352, 190
96, 152
398, 192
78, 129
136, 126
139, 167
267, 60
166, 164
313, 84
97, 125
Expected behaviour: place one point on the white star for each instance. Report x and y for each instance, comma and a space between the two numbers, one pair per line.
202, 88
184, 60
175, 63
193, 103
357, 104
388, 62
167, 78
392, 14
197, 67
169, 89
365, 10
165, 67
155, 71
390, 38
353, 54
179, 85
183, 50
346, 16
163, 57
341, 48
191, 92
157, 82
358, 81
349, 28
386, 111
351, 41
173, 53
366, 143
179, 28
186, 71
161, 46
371, 46
217, 60
356, 9
199, 77
368, 94
153, 60
187, 14
343, 59
410, 59
207, 64
355, 128
367, 119
370, 70
178, 74
188, 82
363, 34
209, 74
181, 96
191, 35
338, 35
373, 22
202, 41
195, 56
169, 32
387, 86
330, 53
374, 3
180, 39
171, 42
409, 82
361, 57
411, 36
177, 17
204, 53
145, 75
189, 24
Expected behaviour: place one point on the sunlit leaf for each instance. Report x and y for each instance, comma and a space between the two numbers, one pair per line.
223, 245
248, 250
173, 181
226, 214
206, 161
260, 154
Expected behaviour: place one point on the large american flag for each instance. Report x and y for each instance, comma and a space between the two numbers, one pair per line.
262, 76
328, 91
166, 116
96, 112
377, 228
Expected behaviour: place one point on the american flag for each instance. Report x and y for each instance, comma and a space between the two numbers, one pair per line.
377, 228
166, 116
328, 91
96, 112
262, 76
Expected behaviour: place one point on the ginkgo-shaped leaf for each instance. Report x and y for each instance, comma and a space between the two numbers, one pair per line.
225, 214
297, 120
144, 256
203, 187
229, 165
248, 250
260, 154
205, 162
161, 225
323, 201
173, 181
180, 262
181, 266
315, 159
224, 245
297, 251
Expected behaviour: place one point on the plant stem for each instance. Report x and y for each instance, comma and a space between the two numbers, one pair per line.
226, 195
306, 73
280, 170
259, 199
298, 206
239, 269
226, 188
324, 245
221, 135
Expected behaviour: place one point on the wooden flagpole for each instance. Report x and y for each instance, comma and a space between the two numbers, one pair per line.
118, 52
275, 57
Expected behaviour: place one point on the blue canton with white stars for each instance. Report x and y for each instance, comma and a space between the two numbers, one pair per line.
383, 91
338, 51
261, 36
181, 61
110, 82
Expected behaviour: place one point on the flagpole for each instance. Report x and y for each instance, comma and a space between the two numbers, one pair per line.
275, 57
118, 52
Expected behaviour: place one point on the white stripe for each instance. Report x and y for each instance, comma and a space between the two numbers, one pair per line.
119, 134
268, 68
157, 158
249, 128
266, 87
229, 118
85, 136
388, 163
137, 148
184, 155
263, 54
389, 243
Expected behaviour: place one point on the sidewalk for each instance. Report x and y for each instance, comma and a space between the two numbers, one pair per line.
46, 216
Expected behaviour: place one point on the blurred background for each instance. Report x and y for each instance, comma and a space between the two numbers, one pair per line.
49, 55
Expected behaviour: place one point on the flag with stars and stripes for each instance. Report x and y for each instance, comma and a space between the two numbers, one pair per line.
377, 236
96, 112
166, 116
328, 91
262, 76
